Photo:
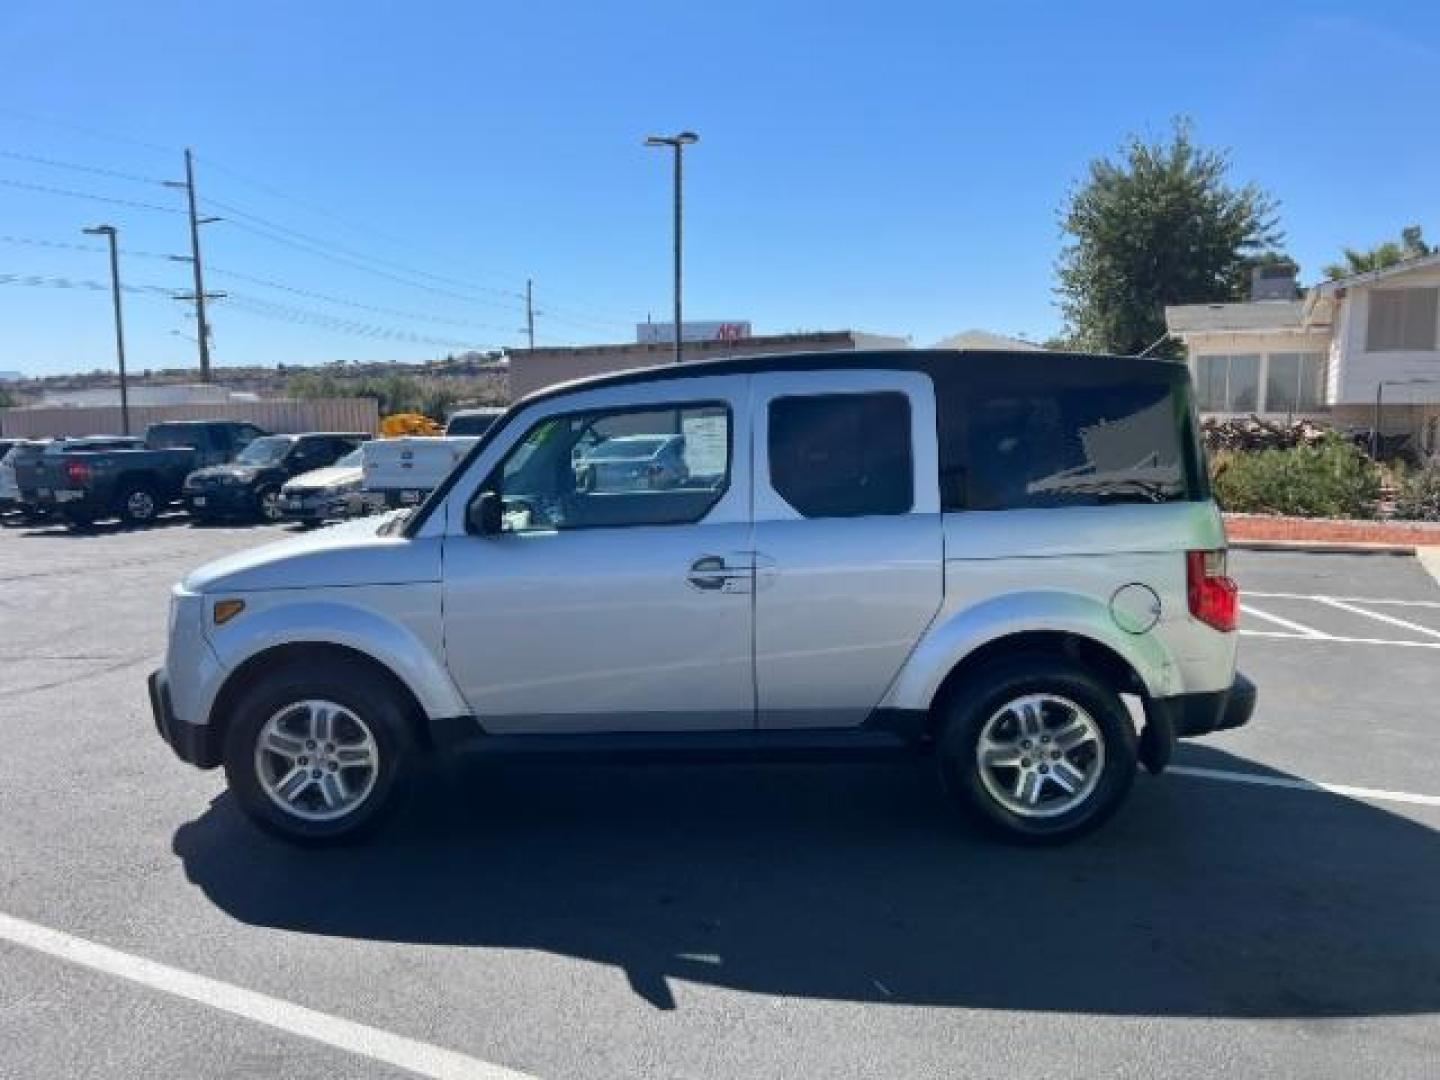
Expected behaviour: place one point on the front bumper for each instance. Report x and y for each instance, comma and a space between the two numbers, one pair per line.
313, 506
192, 743
219, 501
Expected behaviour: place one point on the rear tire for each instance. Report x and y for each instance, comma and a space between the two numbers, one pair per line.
1037, 750
138, 505
319, 753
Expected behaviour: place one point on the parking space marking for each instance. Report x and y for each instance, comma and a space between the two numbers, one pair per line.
414, 1056
1337, 639
1295, 784
1343, 599
1278, 621
1344, 605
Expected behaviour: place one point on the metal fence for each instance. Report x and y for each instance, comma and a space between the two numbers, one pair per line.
281, 416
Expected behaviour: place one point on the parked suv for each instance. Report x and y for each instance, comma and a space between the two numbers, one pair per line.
249, 487
972, 555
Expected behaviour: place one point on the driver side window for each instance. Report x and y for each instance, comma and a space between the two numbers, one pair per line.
655, 465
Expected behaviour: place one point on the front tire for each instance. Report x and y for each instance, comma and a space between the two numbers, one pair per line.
267, 505
1038, 750
318, 753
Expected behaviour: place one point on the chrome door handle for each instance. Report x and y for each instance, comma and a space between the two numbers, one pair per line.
709, 573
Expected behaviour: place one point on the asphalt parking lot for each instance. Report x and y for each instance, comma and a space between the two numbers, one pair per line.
1267, 909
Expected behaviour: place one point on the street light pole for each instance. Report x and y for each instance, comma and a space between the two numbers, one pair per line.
110, 233
678, 144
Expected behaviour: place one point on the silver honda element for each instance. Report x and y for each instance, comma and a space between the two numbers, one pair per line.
1007, 562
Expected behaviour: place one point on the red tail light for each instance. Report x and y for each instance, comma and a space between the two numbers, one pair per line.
1214, 597
77, 473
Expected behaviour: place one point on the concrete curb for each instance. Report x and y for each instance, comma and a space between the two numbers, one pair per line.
1332, 547
1429, 557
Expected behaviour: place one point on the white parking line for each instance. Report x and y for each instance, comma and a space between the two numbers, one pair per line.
417, 1057
1295, 784
1278, 621
1345, 599
1379, 615
1340, 640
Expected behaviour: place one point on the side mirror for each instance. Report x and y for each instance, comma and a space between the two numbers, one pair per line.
485, 515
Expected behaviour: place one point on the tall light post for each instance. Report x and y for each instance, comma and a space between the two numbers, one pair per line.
110, 233
678, 144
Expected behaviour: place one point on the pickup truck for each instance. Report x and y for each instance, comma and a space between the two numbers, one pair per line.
136, 484
407, 469
26, 459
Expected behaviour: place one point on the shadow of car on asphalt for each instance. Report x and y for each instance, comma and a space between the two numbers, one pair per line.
56, 528
1201, 899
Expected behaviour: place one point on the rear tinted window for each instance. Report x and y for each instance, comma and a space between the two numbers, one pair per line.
169, 436
472, 424
1043, 443
842, 455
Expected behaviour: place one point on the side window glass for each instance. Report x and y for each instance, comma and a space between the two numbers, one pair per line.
842, 455
663, 465
1073, 446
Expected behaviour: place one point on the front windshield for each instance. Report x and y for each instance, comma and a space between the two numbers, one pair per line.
354, 459
270, 450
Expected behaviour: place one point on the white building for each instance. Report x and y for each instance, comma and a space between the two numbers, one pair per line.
986, 340
1346, 344
142, 395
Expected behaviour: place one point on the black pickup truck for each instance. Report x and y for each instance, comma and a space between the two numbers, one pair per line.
135, 485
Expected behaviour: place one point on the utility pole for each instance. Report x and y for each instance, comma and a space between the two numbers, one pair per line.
199, 295
530, 312
110, 233
678, 144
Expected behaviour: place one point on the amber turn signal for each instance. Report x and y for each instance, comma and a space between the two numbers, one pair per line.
225, 610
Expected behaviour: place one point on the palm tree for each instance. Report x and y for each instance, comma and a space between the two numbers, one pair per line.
1412, 245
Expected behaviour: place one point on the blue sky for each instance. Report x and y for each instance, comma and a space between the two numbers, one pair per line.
896, 168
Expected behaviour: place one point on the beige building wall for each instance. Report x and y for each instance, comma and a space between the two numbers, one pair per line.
282, 417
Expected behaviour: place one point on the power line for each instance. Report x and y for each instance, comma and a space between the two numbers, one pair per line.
245, 304
29, 241
133, 204
96, 170
47, 281
376, 271
572, 315
94, 133
269, 283
341, 301
353, 255
301, 316
277, 232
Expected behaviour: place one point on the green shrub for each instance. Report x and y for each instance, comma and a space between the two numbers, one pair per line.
1418, 495
1329, 478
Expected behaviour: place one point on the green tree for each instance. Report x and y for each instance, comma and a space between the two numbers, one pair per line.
1161, 225
1412, 245
7, 399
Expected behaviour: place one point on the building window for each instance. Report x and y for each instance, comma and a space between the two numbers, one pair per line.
1228, 383
1294, 382
1402, 320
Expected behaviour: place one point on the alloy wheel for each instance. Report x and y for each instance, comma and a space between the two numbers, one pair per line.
1040, 755
317, 760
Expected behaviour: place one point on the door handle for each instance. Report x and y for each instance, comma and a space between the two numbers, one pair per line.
709, 573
